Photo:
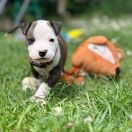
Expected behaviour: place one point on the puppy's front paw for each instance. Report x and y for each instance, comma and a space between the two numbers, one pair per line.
37, 100
30, 83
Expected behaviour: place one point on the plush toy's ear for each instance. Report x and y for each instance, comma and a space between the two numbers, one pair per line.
25, 27
56, 26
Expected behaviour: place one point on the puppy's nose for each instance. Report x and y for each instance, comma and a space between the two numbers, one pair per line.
42, 53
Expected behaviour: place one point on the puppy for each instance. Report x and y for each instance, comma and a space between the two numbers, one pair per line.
47, 56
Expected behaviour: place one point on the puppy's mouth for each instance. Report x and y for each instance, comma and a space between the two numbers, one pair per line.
41, 62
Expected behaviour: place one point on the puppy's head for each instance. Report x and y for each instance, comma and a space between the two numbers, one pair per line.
41, 37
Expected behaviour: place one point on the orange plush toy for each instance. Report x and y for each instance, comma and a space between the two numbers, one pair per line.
96, 55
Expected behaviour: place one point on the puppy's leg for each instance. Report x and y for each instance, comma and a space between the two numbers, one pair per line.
42, 91
30, 83
44, 88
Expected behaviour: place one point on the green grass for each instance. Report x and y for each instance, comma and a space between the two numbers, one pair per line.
106, 103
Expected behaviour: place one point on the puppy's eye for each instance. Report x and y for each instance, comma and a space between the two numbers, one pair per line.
31, 40
51, 40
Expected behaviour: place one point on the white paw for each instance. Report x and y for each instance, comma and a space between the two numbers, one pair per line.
37, 100
40, 94
26, 84
30, 83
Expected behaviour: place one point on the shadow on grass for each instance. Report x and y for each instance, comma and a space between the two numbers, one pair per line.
63, 90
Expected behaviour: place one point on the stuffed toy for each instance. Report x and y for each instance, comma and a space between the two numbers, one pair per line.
96, 55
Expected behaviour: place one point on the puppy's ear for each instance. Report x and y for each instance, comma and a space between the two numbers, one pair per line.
25, 27
56, 26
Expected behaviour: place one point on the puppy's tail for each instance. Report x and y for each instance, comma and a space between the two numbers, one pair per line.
12, 30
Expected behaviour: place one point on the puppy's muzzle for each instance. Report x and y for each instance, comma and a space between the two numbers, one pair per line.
42, 65
42, 53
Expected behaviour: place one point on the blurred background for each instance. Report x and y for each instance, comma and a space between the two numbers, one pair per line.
80, 18
72, 12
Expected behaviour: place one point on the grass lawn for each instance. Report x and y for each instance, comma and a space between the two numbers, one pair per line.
99, 105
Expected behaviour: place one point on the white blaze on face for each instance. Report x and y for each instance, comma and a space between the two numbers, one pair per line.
102, 51
42, 34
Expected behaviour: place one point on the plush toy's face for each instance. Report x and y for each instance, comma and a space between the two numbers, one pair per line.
42, 42
103, 51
